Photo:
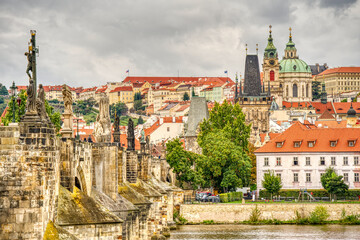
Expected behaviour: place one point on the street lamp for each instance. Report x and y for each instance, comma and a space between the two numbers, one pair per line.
13, 93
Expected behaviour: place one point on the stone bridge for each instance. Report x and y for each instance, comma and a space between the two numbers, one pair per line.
53, 187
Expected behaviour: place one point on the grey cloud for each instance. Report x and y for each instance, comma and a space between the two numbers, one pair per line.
91, 42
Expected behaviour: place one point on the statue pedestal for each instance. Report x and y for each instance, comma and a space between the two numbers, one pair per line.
67, 131
31, 117
116, 136
103, 138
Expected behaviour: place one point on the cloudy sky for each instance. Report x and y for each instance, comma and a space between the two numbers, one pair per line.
89, 43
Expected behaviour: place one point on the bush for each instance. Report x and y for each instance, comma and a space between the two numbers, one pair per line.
230, 197
316, 193
224, 198
255, 215
319, 215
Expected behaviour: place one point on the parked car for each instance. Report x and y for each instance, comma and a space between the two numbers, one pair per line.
199, 196
212, 198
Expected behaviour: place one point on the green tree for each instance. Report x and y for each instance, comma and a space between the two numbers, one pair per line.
19, 111
140, 120
344, 100
3, 90
229, 118
315, 86
138, 105
137, 96
186, 96
225, 166
333, 183
224, 141
119, 108
253, 163
271, 183
55, 117
183, 164
2, 100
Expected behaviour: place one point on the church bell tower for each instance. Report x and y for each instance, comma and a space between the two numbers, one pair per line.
271, 69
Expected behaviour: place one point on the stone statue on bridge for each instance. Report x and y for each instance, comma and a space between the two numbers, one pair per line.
40, 105
31, 97
67, 97
29, 66
102, 130
67, 130
131, 136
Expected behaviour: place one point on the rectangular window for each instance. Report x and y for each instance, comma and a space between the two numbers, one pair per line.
308, 163
278, 161
266, 161
321, 174
322, 161
296, 177
346, 177
311, 144
356, 177
333, 161
296, 162
168, 129
346, 161
356, 161
308, 177
278, 175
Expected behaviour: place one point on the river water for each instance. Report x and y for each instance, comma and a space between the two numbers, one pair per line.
315, 232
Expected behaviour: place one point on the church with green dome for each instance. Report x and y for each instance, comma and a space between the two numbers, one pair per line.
294, 75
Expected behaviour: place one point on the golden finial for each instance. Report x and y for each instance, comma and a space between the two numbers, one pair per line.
290, 31
270, 29
246, 48
257, 48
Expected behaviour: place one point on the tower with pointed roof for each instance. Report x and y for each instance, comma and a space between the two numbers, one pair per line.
253, 98
294, 75
271, 70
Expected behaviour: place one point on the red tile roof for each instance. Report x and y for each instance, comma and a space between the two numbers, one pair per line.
154, 80
322, 137
340, 70
122, 89
156, 125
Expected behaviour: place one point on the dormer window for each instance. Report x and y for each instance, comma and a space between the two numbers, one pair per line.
311, 143
333, 143
297, 144
279, 144
351, 143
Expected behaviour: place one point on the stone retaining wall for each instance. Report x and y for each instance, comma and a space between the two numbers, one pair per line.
230, 213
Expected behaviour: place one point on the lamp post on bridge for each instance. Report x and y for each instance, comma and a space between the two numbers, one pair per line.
13, 93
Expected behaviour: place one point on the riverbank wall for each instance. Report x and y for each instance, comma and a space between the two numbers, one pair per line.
232, 213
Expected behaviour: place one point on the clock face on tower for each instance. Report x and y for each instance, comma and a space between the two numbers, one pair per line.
272, 62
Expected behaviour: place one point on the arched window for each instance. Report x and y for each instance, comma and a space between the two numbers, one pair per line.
307, 90
272, 75
295, 90
77, 183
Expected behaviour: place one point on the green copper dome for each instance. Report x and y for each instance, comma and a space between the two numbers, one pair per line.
294, 65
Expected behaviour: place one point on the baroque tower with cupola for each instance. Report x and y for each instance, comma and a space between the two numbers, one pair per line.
294, 75
271, 70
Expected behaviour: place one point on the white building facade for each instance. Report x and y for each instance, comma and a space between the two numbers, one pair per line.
300, 156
